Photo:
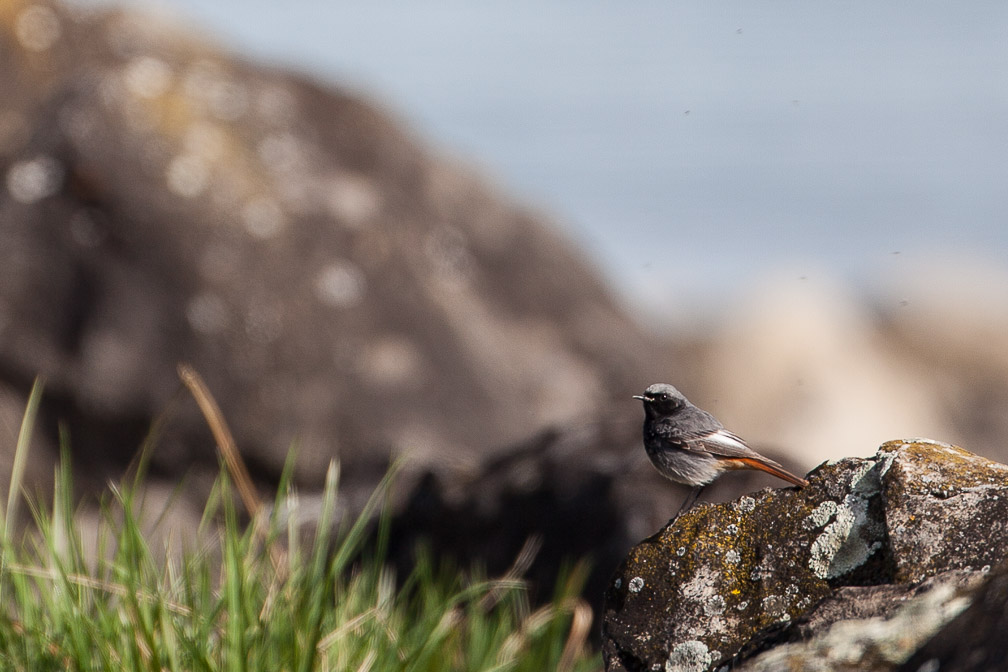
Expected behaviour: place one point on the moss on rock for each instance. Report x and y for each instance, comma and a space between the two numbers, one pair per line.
724, 578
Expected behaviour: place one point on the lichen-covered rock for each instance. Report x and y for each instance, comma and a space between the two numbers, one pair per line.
946, 509
906, 618
725, 582
974, 641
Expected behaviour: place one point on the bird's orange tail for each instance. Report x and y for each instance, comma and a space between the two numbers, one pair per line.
771, 468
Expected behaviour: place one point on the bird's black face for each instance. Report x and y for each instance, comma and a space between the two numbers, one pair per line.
661, 399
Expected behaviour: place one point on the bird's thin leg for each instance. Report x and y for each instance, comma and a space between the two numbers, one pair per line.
690, 500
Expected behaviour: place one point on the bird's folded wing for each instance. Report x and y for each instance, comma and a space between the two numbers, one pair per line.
720, 442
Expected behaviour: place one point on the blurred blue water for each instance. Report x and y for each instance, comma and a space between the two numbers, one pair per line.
691, 146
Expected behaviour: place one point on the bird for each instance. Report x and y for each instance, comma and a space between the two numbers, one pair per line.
688, 445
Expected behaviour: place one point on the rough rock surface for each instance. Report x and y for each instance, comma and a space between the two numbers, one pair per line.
974, 641
875, 642
856, 571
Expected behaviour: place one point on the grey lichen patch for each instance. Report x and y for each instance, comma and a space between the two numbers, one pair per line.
689, 656
822, 514
745, 504
851, 534
840, 549
873, 643
774, 607
703, 590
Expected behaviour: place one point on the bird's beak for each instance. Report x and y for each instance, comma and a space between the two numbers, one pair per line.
637, 396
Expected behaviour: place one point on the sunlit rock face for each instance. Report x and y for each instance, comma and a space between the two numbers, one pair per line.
338, 285
855, 572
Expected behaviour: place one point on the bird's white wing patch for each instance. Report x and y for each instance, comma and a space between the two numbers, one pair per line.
723, 442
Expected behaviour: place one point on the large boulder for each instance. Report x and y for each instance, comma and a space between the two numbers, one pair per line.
337, 283
835, 576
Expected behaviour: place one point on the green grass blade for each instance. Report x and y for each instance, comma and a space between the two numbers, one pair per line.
21, 454
333, 604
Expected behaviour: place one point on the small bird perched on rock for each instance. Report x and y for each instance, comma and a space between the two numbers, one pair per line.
688, 445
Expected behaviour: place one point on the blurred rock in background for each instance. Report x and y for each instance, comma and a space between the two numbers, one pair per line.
331, 278
341, 288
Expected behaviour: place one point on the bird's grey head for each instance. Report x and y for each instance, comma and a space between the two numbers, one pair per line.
662, 399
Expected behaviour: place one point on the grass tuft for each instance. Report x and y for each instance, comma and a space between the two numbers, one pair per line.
262, 595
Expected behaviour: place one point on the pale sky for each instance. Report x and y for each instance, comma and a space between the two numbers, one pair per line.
691, 147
